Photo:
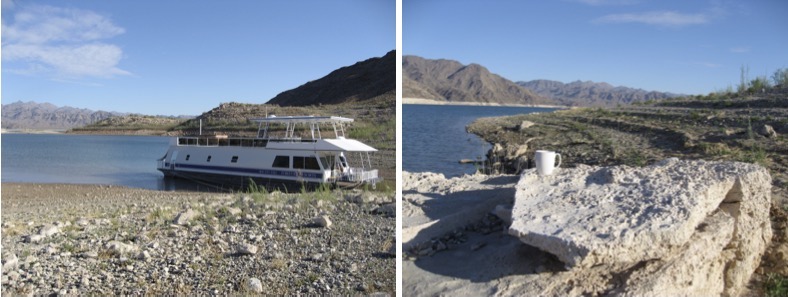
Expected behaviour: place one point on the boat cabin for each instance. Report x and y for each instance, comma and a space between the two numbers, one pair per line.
281, 152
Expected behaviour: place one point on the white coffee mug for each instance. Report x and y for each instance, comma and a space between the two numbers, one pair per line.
545, 162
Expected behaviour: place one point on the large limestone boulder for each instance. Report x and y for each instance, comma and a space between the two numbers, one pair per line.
676, 227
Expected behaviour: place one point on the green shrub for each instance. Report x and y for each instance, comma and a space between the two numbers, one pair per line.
776, 285
759, 84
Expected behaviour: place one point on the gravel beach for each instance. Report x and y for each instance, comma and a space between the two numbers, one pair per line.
110, 240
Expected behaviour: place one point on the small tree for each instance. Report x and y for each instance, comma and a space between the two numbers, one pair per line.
780, 77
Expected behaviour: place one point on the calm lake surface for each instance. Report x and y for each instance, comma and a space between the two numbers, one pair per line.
87, 159
434, 137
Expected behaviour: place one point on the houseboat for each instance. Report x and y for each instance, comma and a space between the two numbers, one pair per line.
288, 152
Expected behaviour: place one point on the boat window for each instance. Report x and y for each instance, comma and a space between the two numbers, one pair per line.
311, 163
298, 162
234, 160
343, 161
281, 162
209, 158
187, 157
324, 160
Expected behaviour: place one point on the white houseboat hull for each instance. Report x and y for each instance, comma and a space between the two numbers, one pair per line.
271, 163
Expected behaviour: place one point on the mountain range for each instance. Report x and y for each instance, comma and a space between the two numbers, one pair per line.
588, 93
371, 80
32, 115
365, 80
448, 80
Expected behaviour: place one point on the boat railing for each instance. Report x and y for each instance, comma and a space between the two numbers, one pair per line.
361, 175
239, 142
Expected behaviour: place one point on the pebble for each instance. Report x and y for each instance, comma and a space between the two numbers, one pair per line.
185, 217
89, 255
234, 211
120, 248
254, 285
322, 221
245, 249
10, 262
96, 258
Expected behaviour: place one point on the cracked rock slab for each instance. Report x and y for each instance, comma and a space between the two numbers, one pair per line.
622, 216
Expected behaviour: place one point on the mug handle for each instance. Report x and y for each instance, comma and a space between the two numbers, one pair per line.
559, 160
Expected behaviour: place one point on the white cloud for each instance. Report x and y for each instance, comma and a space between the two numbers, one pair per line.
658, 18
93, 60
61, 43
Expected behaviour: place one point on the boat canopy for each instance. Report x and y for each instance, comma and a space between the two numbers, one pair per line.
343, 144
302, 119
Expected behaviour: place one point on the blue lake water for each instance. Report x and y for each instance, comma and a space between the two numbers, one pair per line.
87, 159
434, 137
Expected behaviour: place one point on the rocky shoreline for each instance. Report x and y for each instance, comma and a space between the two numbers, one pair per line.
456, 241
468, 251
109, 240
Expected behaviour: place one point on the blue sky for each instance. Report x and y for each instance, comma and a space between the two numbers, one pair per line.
690, 47
182, 57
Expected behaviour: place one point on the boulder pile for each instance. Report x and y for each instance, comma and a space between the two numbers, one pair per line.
673, 228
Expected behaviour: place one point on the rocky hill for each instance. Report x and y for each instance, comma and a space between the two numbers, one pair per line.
588, 93
452, 81
32, 115
362, 81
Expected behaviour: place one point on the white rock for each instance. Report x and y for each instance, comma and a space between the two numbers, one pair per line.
184, 217
89, 255
525, 125
767, 131
10, 262
246, 249
322, 221
254, 285
82, 222
234, 211
35, 238
120, 248
48, 230
434, 205
144, 255
622, 216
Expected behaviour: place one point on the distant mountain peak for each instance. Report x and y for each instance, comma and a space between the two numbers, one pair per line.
364, 80
449, 80
32, 115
